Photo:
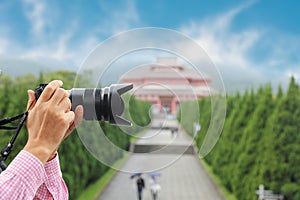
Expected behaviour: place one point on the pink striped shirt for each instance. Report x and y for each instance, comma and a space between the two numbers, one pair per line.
27, 178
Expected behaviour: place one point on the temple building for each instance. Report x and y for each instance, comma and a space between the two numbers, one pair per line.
167, 83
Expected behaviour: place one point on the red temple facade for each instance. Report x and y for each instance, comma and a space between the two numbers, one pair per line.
166, 83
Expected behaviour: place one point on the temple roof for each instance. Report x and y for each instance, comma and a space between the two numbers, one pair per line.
164, 70
174, 90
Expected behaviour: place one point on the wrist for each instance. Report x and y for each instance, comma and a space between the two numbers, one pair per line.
52, 156
42, 153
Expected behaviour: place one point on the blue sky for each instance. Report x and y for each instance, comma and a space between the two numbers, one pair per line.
251, 42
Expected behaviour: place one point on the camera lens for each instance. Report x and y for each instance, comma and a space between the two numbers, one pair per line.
102, 104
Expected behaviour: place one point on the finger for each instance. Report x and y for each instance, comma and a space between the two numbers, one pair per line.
78, 115
77, 120
50, 90
71, 118
31, 99
65, 104
59, 95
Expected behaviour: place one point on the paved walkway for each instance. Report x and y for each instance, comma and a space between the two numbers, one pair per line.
182, 175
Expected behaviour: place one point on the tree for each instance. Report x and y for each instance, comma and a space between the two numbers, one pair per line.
249, 159
283, 132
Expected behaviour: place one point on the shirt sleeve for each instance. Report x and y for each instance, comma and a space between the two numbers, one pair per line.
22, 178
27, 178
54, 187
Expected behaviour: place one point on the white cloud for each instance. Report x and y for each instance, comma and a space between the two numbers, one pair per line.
125, 18
232, 50
62, 47
119, 18
34, 11
5, 39
59, 50
3, 45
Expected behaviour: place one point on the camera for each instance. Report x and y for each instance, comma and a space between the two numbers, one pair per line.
102, 104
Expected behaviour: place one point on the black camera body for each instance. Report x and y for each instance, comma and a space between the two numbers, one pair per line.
102, 104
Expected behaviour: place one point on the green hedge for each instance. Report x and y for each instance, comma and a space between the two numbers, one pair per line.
259, 143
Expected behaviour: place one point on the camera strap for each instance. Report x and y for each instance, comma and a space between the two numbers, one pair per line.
5, 121
8, 148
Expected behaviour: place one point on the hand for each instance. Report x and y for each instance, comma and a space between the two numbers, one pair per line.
50, 120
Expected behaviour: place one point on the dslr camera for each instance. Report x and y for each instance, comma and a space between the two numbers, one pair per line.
102, 104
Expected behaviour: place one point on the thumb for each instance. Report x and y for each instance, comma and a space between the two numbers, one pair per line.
31, 99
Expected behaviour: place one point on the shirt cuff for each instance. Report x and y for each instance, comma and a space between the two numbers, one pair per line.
30, 169
55, 183
52, 168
